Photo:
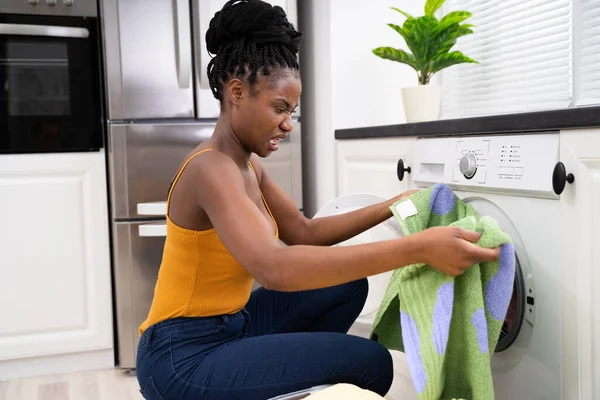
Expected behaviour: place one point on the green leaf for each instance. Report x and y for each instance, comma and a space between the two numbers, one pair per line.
425, 33
445, 39
396, 28
407, 15
455, 17
389, 53
450, 59
432, 6
407, 32
429, 40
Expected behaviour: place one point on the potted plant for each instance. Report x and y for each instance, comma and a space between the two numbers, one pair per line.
429, 41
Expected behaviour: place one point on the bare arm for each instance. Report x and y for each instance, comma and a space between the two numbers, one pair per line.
223, 197
296, 229
338, 228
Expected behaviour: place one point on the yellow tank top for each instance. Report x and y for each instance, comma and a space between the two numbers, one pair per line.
198, 276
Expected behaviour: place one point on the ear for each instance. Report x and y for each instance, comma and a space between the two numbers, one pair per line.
236, 90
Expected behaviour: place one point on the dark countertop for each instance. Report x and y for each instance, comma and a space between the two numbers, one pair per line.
582, 117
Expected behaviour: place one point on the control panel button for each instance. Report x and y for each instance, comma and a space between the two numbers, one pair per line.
51, 2
506, 171
33, 1
468, 165
68, 2
518, 171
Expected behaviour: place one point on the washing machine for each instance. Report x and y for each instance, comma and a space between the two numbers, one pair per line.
515, 179
402, 387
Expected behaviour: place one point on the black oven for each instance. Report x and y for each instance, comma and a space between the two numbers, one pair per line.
50, 77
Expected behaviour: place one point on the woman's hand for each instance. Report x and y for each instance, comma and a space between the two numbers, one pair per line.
451, 250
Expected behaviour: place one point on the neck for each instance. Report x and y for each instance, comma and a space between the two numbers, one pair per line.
226, 141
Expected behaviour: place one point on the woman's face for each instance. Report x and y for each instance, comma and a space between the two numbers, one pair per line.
262, 115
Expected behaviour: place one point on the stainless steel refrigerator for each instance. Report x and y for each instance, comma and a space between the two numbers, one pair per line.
159, 107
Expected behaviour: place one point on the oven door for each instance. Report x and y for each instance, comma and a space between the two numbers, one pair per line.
50, 85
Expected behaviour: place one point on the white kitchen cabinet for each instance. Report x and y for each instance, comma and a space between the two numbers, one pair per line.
55, 285
370, 166
580, 209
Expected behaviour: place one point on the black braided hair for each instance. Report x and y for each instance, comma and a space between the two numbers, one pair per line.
248, 37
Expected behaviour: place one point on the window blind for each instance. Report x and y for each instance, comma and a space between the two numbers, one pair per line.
524, 48
587, 60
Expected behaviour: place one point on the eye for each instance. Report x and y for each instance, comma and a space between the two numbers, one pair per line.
280, 110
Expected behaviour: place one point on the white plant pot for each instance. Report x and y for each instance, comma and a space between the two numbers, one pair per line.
422, 103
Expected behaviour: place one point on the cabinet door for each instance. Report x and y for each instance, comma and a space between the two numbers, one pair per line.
580, 206
55, 290
370, 166
148, 55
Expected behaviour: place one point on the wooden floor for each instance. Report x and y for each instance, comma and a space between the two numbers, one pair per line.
94, 385
113, 384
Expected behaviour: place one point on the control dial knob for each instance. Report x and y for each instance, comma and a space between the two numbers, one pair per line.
468, 165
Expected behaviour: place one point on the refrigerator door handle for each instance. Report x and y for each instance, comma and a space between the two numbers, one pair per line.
152, 230
183, 44
152, 208
203, 22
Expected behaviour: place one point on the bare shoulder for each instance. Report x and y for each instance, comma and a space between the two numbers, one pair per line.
215, 175
212, 163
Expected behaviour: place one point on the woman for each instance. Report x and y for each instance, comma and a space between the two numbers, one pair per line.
207, 336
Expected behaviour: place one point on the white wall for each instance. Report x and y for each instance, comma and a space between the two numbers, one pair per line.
344, 84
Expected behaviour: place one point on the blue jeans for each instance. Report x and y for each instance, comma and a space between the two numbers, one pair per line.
280, 343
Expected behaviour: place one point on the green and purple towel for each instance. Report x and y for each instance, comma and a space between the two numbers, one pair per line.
447, 327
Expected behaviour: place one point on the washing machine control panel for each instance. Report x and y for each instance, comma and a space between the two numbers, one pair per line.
522, 162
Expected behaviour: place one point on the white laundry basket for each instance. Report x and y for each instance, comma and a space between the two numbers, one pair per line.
301, 394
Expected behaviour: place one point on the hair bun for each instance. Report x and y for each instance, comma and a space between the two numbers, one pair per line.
253, 20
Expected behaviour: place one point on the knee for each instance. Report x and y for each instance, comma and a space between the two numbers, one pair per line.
360, 289
377, 367
383, 370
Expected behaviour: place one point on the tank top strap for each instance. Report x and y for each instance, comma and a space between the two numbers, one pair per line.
264, 200
176, 177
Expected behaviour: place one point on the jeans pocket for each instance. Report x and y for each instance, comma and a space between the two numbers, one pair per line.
188, 347
150, 392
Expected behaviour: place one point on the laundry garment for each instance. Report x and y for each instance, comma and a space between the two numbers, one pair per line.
447, 327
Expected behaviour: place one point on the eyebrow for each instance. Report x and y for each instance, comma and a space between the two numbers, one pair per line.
287, 105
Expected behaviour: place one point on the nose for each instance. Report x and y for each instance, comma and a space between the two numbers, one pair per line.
286, 125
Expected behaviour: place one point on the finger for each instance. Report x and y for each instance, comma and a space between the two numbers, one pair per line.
469, 236
481, 254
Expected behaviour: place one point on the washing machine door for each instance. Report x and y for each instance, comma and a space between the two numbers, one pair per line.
389, 229
519, 321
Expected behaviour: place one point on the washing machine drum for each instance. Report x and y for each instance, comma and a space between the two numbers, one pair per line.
388, 230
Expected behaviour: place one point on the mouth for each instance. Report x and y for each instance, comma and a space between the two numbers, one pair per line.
274, 142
